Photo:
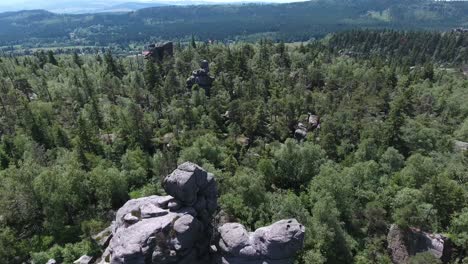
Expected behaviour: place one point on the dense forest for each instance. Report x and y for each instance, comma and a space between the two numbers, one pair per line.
80, 135
287, 22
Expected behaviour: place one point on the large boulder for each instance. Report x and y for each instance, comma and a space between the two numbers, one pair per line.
84, 260
167, 229
460, 145
277, 243
405, 243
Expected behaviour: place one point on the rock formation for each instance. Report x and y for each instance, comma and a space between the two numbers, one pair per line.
403, 244
178, 229
167, 229
274, 244
301, 132
313, 122
159, 50
460, 145
201, 77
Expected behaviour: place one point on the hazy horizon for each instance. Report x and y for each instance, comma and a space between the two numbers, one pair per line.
82, 6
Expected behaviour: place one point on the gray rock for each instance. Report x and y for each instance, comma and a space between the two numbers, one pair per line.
277, 243
51, 261
189, 183
201, 77
103, 238
313, 120
405, 243
166, 229
300, 134
159, 50
84, 260
460, 145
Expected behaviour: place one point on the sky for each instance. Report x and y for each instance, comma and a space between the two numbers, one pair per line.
70, 6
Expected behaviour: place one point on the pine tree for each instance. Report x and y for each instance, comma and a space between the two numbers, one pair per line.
51, 58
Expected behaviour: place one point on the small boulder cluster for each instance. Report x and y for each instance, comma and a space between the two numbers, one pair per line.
178, 228
313, 122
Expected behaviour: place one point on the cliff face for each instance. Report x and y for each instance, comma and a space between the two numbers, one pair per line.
405, 243
178, 229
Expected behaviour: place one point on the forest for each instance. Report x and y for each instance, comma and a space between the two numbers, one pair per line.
287, 22
82, 134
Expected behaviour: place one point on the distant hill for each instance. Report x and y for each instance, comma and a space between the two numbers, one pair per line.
290, 22
131, 6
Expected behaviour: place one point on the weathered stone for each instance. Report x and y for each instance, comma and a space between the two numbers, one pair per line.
277, 243
190, 183
159, 50
460, 145
84, 260
201, 77
313, 120
301, 132
405, 243
103, 238
51, 261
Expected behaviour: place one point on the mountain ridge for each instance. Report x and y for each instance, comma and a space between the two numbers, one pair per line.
290, 22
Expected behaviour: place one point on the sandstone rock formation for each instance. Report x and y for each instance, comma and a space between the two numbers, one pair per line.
167, 229
84, 260
201, 77
313, 122
403, 244
159, 50
274, 244
178, 229
460, 145
301, 132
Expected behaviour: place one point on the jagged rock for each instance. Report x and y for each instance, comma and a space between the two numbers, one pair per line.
201, 77
103, 238
403, 244
460, 145
167, 229
159, 50
301, 132
108, 139
277, 243
314, 121
51, 261
193, 186
84, 260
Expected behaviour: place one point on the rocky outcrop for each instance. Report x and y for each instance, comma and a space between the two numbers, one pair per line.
313, 122
405, 243
274, 244
201, 77
167, 229
301, 132
178, 229
159, 50
460, 145
84, 260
